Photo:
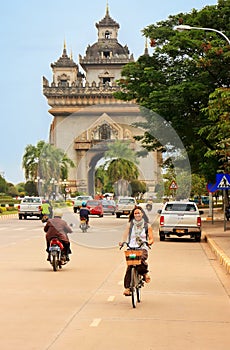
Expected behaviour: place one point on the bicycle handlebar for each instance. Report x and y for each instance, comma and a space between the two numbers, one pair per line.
127, 244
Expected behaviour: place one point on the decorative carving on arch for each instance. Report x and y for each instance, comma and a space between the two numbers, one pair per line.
128, 134
105, 129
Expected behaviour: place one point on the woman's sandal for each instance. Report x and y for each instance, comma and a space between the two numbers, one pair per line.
147, 278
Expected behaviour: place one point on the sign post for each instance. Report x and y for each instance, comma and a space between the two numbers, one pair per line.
173, 187
222, 183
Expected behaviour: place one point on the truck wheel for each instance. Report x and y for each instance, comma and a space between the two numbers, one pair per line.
118, 215
162, 236
197, 238
20, 216
25, 217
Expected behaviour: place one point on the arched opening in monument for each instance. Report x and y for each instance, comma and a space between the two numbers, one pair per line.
121, 187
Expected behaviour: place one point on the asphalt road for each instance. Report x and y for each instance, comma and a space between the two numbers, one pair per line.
186, 305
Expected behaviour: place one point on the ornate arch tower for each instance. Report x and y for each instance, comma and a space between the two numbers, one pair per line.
85, 112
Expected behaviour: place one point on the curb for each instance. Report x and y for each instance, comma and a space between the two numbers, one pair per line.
222, 257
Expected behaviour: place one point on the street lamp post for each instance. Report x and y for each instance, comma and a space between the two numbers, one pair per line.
182, 27
65, 185
53, 183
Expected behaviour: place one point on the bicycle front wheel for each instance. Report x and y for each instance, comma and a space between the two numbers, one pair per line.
135, 292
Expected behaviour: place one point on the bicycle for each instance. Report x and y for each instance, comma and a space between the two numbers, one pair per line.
133, 259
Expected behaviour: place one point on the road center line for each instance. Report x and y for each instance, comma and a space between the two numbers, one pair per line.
111, 298
95, 322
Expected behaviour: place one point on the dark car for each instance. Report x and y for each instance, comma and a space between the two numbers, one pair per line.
109, 206
95, 207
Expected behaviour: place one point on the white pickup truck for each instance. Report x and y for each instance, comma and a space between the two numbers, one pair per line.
125, 205
180, 219
30, 206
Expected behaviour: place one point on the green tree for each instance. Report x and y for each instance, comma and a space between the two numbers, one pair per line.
138, 187
121, 150
120, 167
178, 78
217, 130
44, 162
102, 182
199, 185
31, 188
20, 187
12, 190
3, 185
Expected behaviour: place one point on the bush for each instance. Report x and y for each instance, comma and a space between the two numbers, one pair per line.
2, 210
11, 209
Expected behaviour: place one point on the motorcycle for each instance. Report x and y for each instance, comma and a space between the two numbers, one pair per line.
149, 206
57, 254
83, 225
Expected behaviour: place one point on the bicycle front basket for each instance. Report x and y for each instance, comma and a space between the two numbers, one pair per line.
133, 257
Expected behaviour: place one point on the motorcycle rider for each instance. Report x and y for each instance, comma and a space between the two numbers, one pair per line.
84, 213
47, 211
58, 228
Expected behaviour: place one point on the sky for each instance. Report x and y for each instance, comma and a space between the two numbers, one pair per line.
32, 35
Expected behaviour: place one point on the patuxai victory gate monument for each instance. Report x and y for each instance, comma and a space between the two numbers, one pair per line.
86, 116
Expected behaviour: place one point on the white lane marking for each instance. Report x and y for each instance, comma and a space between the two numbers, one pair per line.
111, 298
19, 229
95, 322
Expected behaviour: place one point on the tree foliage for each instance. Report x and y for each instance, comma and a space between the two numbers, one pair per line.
45, 161
43, 164
119, 167
178, 78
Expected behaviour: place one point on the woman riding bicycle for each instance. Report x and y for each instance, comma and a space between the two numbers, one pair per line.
137, 231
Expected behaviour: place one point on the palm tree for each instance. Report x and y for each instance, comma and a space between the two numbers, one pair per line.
121, 149
30, 160
44, 162
121, 167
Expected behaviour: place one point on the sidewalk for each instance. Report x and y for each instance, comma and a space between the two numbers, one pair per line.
218, 240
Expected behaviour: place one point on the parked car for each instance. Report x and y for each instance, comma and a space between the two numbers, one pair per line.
180, 219
200, 200
109, 206
95, 207
125, 205
78, 202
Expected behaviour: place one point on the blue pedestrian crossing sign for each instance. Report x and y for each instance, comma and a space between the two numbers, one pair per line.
223, 181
